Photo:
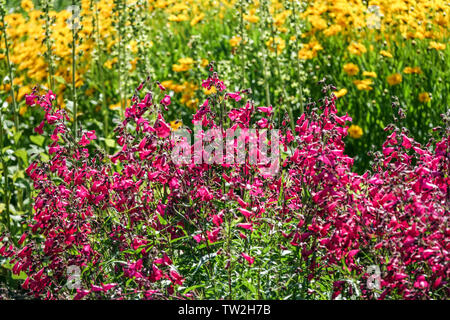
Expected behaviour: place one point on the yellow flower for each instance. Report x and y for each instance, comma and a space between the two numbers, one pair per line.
409, 70
309, 50
394, 79
251, 17
210, 91
23, 91
180, 67
355, 131
204, 62
386, 53
235, 41
340, 93
27, 5
133, 46
332, 30
351, 69
437, 45
178, 18
371, 74
424, 97
133, 63
317, 22
184, 64
197, 19
279, 42
168, 84
363, 84
357, 48
22, 110
185, 61
114, 106
118, 105
176, 124
108, 64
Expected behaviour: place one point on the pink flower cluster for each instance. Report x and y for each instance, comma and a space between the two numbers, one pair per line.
116, 216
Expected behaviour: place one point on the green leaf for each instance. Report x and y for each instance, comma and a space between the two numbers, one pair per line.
18, 174
110, 143
250, 286
38, 140
22, 154
17, 136
44, 157
59, 79
161, 219
193, 288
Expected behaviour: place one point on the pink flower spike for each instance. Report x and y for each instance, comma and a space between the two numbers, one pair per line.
236, 96
248, 258
166, 100
84, 141
161, 87
246, 226
267, 110
245, 212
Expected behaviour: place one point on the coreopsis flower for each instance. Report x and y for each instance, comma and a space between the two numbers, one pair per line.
424, 97
109, 63
355, 131
178, 18
357, 48
27, 5
278, 42
412, 70
371, 74
204, 63
184, 64
386, 54
309, 50
175, 124
340, 93
351, 69
394, 79
363, 84
317, 22
235, 41
197, 19
332, 30
251, 17
209, 91
437, 45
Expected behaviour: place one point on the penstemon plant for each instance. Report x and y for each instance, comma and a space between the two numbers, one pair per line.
163, 218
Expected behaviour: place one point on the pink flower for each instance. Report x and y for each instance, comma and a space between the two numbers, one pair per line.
161, 127
247, 226
166, 100
84, 141
249, 259
236, 96
267, 110
176, 278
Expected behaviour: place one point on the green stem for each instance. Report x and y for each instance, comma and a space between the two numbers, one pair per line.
11, 75
100, 75
5, 176
74, 90
299, 68
242, 42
